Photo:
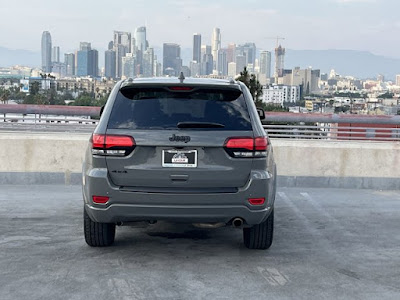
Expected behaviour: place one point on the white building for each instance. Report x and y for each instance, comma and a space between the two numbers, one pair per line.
278, 94
398, 80
232, 69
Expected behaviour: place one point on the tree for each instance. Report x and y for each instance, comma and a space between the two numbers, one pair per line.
34, 88
4, 95
252, 83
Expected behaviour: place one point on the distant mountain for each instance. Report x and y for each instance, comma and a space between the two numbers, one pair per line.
360, 64
11, 57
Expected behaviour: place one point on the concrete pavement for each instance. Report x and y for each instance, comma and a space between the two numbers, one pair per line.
328, 244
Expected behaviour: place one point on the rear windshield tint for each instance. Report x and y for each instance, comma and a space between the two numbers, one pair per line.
165, 109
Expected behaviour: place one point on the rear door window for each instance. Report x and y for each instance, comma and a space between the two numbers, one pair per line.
164, 108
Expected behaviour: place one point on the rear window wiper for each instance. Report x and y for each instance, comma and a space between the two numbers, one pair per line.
199, 125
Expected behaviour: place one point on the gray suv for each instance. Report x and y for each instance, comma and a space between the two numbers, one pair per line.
181, 150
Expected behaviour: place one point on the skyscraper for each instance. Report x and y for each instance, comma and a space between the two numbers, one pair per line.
69, 61
222, 64
46, 51
87, 60
148, 62
265, 63
207, 62
231, 53
279, 62
172, 62
128, 66
140, 39
122, 46
110, 62
240, 63
197, 48
215, 44
55, 55
249, 50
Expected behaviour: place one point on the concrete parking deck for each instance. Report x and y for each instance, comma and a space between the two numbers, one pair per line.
329, 243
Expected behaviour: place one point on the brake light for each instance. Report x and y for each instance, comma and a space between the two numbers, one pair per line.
100, 199
257, 201
112, 145
180, 88
243, 147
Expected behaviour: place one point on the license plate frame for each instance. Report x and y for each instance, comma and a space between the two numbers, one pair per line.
173, 158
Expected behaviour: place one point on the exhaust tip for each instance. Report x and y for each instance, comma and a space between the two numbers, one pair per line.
237, 222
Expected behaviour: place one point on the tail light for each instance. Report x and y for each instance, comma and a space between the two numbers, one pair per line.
112, 145
243, 147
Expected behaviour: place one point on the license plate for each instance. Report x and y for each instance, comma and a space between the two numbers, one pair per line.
179, 158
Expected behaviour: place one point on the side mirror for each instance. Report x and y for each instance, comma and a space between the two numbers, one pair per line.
101, 110
261, 113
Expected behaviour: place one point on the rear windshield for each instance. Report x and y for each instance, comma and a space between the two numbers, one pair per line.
166, 109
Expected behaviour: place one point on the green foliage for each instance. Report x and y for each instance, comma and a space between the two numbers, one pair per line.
350, 95
387, 95
250, 80
87, 100
4, 95
273, 107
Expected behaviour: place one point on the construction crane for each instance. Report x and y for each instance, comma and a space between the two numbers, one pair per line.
279, 56
277, 38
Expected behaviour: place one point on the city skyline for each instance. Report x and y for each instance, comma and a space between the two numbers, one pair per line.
318, 24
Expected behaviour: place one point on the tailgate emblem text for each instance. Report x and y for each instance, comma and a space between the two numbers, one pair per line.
177, 138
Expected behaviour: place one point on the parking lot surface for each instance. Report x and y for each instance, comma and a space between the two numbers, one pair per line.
329, 243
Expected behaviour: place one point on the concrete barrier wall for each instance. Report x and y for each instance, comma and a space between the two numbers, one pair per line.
43, 158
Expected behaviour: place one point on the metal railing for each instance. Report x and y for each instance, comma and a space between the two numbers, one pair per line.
277, 124
332, 126
48, 117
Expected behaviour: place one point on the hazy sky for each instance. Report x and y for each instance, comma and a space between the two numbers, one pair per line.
371, 25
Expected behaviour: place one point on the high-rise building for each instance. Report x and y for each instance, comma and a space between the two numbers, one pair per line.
222, 64
279, 62
55, 54
307, 78
398, 80
207, 61
232, 69
140, 39
69, 61
110, 63
197, 48
128, 66
87, 60
172, 62
265, 63
85, 46
110, 45
148, 62
122, 46
141, 46
231, 53
215, 44
195, 68
240, 63
250, 51
46, 51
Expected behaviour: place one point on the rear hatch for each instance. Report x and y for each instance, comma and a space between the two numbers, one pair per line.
178, 137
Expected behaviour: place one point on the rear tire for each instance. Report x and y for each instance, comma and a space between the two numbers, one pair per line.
98, 234
260, 236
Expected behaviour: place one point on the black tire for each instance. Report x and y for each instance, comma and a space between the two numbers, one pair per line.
98, 234
260, 236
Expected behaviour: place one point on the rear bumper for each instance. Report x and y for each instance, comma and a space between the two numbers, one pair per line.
125, 206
